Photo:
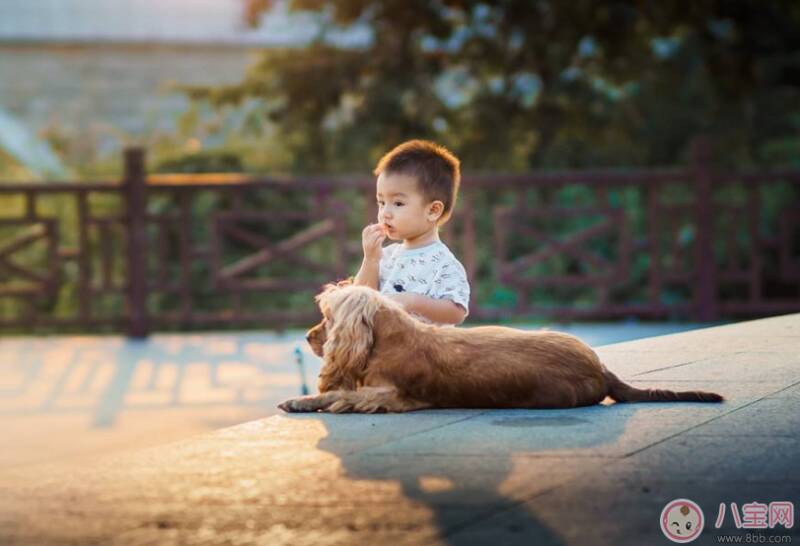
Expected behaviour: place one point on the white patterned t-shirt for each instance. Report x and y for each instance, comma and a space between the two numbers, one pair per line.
431, 270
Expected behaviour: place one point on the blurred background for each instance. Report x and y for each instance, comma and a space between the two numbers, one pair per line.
629, 169
622, 160
311, 86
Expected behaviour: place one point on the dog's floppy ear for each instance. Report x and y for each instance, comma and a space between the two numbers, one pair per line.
332, 287
349, 336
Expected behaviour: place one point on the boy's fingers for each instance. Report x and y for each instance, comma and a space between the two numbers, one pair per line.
373, 235
369, 234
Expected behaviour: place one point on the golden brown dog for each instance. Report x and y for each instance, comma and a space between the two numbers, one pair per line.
377, 358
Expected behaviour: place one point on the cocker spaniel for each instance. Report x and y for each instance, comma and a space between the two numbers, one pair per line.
377, 358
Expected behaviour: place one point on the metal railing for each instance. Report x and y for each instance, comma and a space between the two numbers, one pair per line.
162, 251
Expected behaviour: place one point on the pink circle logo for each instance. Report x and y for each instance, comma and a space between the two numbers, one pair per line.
682, 520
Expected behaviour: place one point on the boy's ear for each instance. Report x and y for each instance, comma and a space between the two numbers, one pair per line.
435, 210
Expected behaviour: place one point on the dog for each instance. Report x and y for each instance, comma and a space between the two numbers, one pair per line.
378, 358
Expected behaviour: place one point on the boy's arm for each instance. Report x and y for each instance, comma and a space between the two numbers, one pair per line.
441, 311
372, 238
368, 274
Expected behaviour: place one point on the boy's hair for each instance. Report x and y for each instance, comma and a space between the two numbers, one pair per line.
438, 172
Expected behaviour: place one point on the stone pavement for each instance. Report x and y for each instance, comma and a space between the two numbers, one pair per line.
597, 475
68, 398
72, 398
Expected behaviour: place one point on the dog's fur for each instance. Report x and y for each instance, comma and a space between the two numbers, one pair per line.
377, 358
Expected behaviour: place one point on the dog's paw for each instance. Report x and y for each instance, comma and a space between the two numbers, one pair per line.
297, 405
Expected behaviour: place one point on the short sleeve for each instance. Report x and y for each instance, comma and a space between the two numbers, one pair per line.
450, 282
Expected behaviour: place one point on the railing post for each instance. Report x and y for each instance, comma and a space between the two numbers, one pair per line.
135, 191
706, 295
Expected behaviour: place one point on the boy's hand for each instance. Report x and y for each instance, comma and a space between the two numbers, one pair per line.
372, 240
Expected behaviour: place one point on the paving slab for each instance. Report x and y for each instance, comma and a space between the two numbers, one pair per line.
596, 475
589, 512
776, 415
757, 365
73, 398
789, 392
621, 502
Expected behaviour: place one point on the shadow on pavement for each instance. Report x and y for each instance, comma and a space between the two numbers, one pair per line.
464, 470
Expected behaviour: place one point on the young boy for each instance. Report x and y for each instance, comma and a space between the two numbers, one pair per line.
416, 191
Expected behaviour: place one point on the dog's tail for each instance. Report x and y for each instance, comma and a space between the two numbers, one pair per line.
622, 392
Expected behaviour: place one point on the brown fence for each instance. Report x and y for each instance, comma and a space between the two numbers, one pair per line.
183, 251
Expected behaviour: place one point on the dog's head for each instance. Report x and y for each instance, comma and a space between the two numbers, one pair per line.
346, 333
318, 335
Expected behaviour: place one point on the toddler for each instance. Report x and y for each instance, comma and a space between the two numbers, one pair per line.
416, 191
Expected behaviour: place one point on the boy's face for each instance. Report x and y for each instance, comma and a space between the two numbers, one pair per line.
402, 208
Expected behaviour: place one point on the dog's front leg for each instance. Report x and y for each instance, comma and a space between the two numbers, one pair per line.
374, 400
364, 400
310, 403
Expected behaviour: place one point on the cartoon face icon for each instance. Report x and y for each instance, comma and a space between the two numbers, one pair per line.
682, 520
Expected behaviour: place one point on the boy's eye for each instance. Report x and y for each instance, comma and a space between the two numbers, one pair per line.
398, 204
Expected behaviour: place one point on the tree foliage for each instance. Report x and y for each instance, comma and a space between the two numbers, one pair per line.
520, 84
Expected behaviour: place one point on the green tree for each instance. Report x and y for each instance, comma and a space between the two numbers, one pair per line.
522, 84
